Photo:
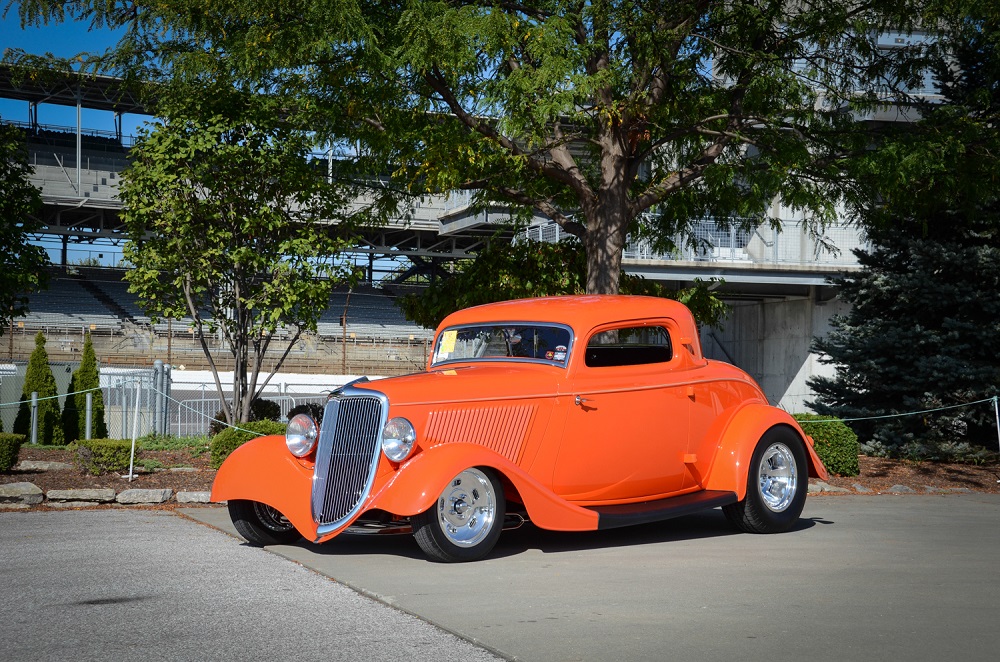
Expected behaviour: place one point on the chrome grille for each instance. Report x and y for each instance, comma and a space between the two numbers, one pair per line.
347, 455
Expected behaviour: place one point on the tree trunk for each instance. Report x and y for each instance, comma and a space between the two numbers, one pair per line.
607, 228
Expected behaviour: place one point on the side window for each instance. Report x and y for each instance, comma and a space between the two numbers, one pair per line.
632, 345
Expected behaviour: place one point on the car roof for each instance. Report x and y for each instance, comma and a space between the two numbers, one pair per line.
581, 312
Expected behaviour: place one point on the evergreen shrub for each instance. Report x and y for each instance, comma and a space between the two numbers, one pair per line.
835, 443
230, 439
102, 456
10, 448
39, 379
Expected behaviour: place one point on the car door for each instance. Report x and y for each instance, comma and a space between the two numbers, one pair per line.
626, 422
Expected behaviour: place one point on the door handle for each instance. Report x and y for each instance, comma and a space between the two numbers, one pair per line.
580, 400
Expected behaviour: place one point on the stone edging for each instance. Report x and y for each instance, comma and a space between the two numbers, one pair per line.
25, 495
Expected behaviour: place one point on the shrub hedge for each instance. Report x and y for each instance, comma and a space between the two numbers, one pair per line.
10, 448
230, 439
103, 456
836, 444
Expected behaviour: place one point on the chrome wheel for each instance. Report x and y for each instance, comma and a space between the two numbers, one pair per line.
465, 522
271, 519
467, 508
261, 524
777, 477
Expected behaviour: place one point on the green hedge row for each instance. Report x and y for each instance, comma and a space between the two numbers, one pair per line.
103, 456
230, 439
10, 448
835, 443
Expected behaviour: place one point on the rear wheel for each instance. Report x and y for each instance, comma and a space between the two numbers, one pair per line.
465, 522
261, 524
776, 485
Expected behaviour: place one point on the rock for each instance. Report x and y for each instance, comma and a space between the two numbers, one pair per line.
66, 505
99, 495
145, 496
819, 486
39, 465
25, 493
194, 497
901, 489
957, 490
14, 506
182, 469
861, 489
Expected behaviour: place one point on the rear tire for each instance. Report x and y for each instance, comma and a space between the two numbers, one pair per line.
777, 483
261, 524
465, 522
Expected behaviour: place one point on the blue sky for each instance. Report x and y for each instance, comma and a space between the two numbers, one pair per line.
62, 40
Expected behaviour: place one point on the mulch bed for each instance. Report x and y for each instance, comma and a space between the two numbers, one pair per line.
185, 471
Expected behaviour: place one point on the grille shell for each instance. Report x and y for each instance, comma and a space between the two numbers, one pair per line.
347, 455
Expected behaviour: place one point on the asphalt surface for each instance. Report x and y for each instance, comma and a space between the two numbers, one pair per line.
862, 578
151, 585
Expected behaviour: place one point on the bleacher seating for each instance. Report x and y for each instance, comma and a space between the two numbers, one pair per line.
68, 304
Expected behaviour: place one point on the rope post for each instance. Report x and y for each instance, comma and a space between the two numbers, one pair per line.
34, 417
90, 415
996, 412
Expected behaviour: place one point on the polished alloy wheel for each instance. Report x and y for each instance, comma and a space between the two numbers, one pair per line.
777, 477
467, 508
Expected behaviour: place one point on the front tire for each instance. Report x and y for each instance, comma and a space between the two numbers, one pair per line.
777, 483
261, 524
465, 522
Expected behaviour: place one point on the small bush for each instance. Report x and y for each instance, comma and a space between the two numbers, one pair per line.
836, 444
261, 409
102, 456
10, 448
314, 410
230, 439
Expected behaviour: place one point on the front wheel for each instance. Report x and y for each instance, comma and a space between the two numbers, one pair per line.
261, 524
777, 483
466, 521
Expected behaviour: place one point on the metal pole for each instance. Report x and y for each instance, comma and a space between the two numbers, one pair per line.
90, 415
135, 433
157, 399
996, 412
34, 417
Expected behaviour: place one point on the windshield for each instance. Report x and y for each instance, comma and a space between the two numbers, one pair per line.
547, 343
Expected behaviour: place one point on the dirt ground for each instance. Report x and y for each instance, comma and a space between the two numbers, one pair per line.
183, 471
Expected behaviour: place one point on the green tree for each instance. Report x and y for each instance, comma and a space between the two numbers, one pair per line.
923, 331
531, 269
39, 379
86, 378
612, 118
231, 226
22, 265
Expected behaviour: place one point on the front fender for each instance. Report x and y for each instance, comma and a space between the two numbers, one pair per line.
736, 446
263, 470
417, 484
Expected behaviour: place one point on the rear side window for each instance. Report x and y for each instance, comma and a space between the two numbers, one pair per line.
632, 345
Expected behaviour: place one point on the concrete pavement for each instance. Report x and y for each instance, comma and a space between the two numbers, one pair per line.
866, 578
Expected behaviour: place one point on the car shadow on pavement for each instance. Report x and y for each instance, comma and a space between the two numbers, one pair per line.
708, 524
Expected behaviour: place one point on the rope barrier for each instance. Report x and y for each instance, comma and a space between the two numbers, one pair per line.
49, 397
911, 413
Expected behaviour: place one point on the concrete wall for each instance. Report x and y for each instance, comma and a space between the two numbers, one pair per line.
770, 340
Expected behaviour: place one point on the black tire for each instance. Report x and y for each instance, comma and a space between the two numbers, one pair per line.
777, 483
261, 524
465, 522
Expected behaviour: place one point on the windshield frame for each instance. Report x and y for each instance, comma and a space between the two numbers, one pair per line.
502, 359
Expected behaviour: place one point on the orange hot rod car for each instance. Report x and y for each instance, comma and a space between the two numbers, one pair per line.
577, 413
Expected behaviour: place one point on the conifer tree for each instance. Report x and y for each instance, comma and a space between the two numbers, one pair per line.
924, 331
39, 378
74, 416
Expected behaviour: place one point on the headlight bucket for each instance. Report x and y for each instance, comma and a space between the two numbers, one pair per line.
398, 438
301, 435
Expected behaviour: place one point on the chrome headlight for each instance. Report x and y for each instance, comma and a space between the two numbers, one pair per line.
398, 437
301, 434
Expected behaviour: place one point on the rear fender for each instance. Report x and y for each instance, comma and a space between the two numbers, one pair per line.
263, 470
732, 461
417, 484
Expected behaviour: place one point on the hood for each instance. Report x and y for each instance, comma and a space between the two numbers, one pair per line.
471, 383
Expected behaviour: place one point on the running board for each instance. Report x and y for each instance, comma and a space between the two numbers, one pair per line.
629, 514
